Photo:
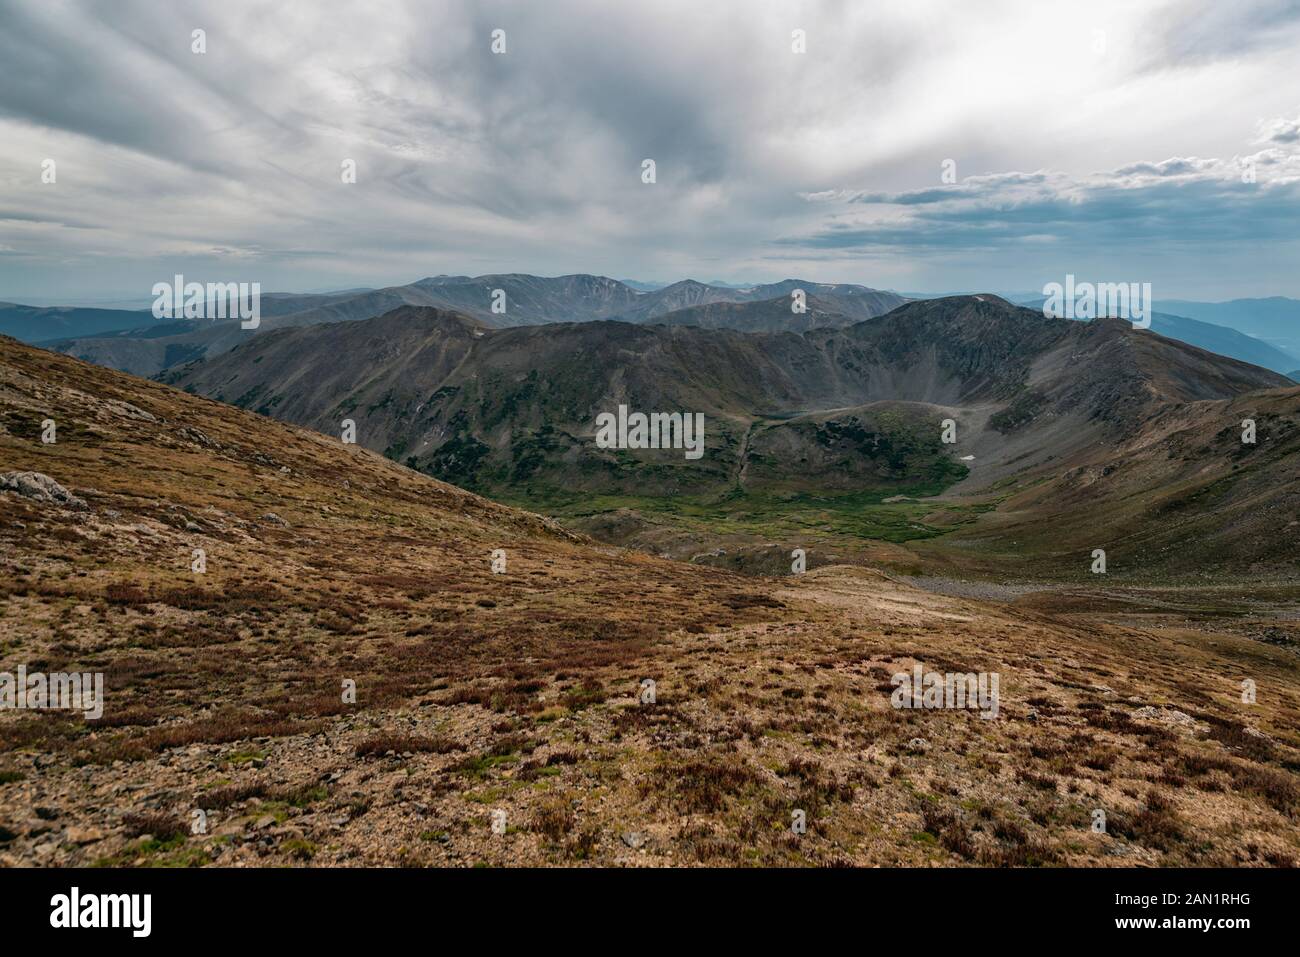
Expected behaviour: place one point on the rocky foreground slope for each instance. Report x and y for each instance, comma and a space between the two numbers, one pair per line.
517, 697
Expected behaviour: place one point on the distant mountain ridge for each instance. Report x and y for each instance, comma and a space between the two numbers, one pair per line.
1216, 338
1275, 319
133, 341
527, 300
768, 315
46, 323
852, 301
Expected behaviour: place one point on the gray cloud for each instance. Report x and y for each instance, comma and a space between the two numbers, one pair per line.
769, 163
1281, 131
1180, 201
1198, 31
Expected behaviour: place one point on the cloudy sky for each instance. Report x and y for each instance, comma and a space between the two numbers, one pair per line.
1114, 140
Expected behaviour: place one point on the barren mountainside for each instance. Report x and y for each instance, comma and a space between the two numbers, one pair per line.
519, 690
419, 379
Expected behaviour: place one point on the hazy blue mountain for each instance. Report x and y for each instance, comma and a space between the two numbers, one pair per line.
1221, 339
44, 323
1275, 319
640, 286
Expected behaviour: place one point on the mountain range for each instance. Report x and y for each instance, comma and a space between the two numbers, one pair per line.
1275, 319
844, 398
1036, 403
144, 346
1251, 330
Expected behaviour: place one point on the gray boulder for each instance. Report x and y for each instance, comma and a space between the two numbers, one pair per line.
41, 488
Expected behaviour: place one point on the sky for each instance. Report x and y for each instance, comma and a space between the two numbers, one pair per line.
1139, 141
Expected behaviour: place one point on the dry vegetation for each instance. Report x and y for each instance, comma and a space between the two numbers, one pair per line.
520, 691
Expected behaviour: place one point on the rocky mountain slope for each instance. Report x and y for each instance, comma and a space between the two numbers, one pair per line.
347, 680
1182, 494
486, 407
